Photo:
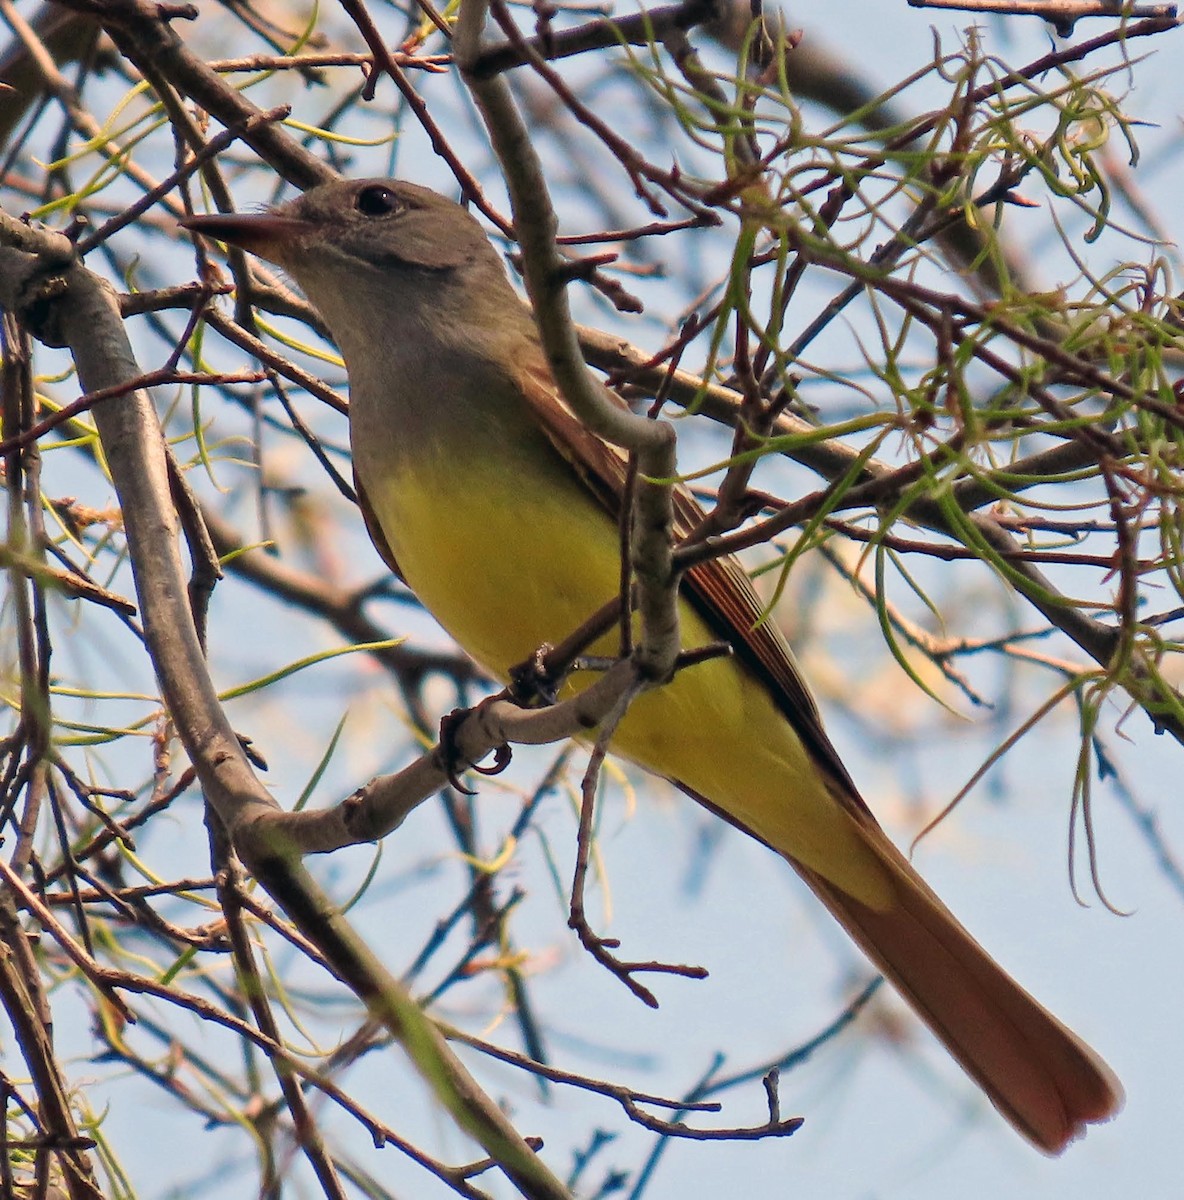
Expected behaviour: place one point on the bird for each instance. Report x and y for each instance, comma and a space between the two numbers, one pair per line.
501, 511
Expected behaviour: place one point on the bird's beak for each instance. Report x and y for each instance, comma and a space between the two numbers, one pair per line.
270, 235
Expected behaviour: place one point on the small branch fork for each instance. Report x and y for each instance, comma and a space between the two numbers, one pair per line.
601, 948
632, 1101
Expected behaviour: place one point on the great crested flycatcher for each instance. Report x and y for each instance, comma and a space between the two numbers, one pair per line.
500, 511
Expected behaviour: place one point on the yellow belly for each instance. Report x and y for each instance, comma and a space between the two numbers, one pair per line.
531, 557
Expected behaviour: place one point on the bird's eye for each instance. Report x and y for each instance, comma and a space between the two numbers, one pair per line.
377, 201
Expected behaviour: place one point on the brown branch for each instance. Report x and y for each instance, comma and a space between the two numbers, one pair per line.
652, 442
638, 29
1063, 14
116, 391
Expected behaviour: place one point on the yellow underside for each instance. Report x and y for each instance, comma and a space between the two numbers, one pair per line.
527, 559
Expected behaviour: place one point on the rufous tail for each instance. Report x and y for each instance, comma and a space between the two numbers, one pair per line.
1038, 1074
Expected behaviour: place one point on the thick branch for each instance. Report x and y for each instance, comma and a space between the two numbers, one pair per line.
42, 281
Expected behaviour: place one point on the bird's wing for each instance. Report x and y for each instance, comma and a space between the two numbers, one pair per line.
719, 589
